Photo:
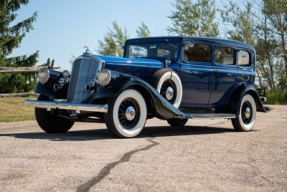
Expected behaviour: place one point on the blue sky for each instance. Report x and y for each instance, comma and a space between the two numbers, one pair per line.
64, 27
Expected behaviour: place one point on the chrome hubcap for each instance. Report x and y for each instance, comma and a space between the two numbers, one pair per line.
169, 93
247, 112
130, 113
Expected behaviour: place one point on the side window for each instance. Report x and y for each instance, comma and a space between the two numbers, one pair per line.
198, 52
137, 51
243, 59
225, 55
163, 53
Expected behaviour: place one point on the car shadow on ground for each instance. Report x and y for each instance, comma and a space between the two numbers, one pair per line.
103, 134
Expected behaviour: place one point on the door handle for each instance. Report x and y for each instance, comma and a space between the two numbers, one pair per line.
214, 70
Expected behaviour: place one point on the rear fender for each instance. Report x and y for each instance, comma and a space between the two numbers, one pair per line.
242, 89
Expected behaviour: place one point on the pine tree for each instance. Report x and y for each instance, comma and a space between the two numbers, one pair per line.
194, 19
117, 36
112, 39
143, 30
11, 37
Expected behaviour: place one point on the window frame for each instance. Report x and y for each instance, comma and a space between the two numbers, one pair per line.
227, 65
200, 63
250, 59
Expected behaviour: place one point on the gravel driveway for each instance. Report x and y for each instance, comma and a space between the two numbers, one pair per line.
205, 155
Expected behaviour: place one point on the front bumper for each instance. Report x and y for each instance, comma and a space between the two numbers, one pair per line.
67, 106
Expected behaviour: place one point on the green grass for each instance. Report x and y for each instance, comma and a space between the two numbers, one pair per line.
277, 98
12, 109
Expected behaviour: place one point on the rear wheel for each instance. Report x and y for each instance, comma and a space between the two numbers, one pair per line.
127, 114
177, 122
247, 116
49, 122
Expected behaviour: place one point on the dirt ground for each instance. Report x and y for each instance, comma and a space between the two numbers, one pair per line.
205, 155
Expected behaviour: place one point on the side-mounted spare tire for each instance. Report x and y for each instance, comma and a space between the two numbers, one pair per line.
168, 84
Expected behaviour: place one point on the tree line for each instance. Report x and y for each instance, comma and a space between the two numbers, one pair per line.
260, 23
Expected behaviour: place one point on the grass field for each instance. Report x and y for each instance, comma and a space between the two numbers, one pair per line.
12, 109
277, 98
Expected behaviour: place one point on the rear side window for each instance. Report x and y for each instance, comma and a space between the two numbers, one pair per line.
243, 59
198, 52
225, 55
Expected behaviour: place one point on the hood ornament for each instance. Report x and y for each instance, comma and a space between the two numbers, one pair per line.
87, 50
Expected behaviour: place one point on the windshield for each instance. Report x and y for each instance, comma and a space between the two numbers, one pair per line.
159, 51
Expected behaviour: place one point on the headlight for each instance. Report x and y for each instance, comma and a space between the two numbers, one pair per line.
66, 74
104, 77
44, 75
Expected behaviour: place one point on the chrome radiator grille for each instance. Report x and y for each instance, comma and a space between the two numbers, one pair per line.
83, 71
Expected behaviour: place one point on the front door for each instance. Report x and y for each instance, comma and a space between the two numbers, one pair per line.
196, 75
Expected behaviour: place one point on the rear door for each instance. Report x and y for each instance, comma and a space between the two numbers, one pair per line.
196, 75
224, 75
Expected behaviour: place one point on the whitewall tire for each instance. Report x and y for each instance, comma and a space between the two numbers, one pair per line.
127, 114
168, 84
247, 114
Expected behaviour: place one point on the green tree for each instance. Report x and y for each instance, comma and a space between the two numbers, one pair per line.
249, 23
194, 18
275, 12
117, 36
11, 37
112, 39
143, 30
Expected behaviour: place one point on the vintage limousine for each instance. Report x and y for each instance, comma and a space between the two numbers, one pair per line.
171, 78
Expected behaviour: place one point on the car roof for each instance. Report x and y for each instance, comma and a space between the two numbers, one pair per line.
218, 41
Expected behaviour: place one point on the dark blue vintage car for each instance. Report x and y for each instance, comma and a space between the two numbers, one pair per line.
171, 78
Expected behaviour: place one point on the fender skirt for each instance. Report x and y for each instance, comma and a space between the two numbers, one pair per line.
160, 107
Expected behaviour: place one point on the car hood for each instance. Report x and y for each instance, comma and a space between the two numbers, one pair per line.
126, 61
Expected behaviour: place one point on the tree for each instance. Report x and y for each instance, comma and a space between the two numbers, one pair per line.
275, 12
11, 37
112, 39
143, 30
194, 19
249, 23
117, 36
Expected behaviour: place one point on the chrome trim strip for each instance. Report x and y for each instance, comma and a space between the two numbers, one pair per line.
67, 106
212, 115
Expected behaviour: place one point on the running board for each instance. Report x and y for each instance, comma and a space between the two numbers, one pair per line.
212, 115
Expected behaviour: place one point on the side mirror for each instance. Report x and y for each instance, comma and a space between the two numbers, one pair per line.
167, 62
188, 44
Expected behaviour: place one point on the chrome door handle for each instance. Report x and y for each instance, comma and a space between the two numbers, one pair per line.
215, 70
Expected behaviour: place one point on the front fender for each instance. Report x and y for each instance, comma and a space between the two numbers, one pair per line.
158, 104
239, 92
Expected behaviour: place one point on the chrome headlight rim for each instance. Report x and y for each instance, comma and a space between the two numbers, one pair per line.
101, 80
44, 70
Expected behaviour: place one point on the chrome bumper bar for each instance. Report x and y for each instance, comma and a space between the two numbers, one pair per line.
68, 106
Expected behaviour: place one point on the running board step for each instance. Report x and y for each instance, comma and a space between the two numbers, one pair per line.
212, 115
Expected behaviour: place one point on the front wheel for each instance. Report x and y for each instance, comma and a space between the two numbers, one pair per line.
49, 122
127, 114
247, 115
